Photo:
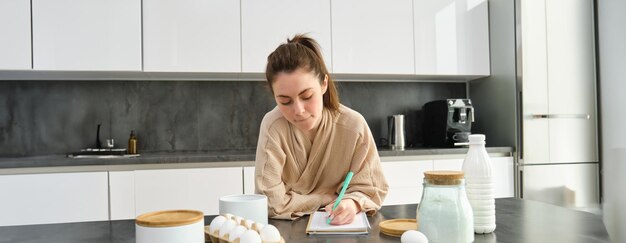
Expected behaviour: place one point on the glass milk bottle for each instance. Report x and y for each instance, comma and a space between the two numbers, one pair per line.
479, 187
444, 214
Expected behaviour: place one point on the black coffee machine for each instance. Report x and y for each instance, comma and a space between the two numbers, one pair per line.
447, 122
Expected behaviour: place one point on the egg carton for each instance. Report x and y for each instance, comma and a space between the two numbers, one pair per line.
249, 225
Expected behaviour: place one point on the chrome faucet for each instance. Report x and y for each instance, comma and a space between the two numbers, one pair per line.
98, 144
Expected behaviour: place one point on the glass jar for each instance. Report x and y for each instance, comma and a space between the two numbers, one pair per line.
444, 214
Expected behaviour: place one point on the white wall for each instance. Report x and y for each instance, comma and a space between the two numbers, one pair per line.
612, 59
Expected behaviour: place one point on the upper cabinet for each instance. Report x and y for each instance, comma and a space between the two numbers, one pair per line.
87, 35
411, 39
15, 49
191, 36
451, 37
373, 36
267, 24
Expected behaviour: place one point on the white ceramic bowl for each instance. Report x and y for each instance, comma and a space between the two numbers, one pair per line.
252, 207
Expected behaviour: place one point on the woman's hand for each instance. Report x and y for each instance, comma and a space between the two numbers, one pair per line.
344, 213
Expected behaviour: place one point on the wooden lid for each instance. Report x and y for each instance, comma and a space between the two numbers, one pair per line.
169, 218
443, 177
396, 227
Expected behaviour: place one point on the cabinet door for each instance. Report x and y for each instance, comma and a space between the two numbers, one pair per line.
535, 132
451, 37
122, 194
503, 176
571, 80
248, 180
197, 189
405, 180
87, 35
373, 36
191, 36
448, 164
266, 24
15, 44
53, 198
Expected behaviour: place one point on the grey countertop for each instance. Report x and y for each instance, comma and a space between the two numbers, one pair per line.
204, 157
517, 220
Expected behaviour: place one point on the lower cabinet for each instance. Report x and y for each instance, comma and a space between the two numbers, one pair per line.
116, 195
503, 176
405, 180
137, 192
248, 180
405, 177
53, 198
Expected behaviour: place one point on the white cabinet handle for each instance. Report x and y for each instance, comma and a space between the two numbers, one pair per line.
542, 116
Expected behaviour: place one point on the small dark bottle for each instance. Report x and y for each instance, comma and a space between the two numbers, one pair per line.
132, 143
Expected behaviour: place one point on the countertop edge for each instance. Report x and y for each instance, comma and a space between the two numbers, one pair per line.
60, 164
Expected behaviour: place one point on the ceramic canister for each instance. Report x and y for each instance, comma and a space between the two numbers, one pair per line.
171, 226
249, 206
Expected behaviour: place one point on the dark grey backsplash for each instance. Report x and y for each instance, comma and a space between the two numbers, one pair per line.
59, 117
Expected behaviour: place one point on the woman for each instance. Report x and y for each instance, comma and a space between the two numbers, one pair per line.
309, 142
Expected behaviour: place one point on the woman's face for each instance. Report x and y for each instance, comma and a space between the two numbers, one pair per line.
299, 98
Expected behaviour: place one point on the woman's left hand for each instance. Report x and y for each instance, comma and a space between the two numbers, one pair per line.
344, 213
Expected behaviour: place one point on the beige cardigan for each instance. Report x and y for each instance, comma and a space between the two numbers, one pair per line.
298, 177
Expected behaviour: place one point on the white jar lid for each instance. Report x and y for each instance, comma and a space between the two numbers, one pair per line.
169, 218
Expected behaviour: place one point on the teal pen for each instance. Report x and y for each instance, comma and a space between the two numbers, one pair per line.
343, 191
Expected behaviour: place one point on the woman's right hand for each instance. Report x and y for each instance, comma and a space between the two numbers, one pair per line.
344, 213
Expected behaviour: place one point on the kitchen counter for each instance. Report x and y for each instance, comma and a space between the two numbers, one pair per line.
517, 221
222, 158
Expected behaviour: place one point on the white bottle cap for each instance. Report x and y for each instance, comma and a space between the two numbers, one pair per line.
476, 139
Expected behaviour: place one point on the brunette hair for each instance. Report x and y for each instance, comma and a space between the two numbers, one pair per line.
302, 52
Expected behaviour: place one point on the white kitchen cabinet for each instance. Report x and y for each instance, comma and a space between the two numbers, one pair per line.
405, 180
191, 36
248, 180
101, 35
197, 189
448, 164
373, 36
559, 85
15, 44
451, 37
53, 198
122, 194
503, 176
267, 24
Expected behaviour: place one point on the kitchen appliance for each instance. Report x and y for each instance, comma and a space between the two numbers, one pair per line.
447, 123
396, 136
558, 159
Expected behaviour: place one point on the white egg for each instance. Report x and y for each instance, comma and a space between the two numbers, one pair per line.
413, 236
229, 216
238, 219
248, 223
258, 226
250, 236
236, 232
270, 233
216, 223
227, 227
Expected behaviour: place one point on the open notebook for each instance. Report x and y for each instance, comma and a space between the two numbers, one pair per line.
317, 225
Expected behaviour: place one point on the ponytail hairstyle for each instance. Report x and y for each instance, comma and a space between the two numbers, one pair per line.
302, 52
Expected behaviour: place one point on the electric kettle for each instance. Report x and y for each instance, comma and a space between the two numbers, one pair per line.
395, 125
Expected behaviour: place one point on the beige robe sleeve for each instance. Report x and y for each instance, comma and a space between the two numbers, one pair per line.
368, 186
282, 202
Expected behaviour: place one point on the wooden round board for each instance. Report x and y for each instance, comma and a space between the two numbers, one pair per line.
395, 227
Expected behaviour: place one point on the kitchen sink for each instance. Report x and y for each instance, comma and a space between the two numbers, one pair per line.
101, 154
